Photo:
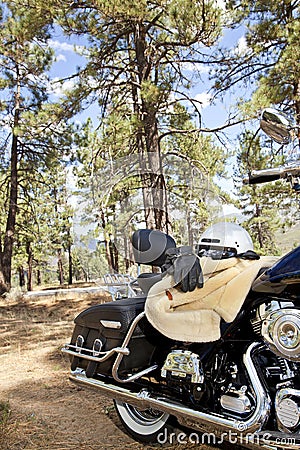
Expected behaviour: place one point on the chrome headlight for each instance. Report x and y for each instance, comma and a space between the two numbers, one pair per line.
281, 331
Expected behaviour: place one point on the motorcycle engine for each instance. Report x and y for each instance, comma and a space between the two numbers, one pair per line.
183, 372
183, 365
281, 331
279, 325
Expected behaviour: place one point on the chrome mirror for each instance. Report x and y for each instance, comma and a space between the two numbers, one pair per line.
276, 125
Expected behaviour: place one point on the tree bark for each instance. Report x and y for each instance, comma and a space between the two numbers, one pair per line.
60, 267
114, 255
106, 240
21, 276
13, 195
259, 227
153, 183
70, 280
136, 80
297, 106
38, 277
29, 263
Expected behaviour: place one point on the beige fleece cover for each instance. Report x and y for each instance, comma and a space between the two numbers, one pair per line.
195, 316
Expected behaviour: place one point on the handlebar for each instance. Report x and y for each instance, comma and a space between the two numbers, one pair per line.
263, 176
276, 173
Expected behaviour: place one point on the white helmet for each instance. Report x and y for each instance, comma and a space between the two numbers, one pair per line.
226, 239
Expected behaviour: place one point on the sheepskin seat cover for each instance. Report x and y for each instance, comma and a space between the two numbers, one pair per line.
195, 316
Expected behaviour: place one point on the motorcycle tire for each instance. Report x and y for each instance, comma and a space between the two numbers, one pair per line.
143, 425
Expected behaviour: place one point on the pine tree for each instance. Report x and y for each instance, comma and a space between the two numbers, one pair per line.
137, 53
268, 65
263, 71
34, 132
23, 60
267, 207
189, 160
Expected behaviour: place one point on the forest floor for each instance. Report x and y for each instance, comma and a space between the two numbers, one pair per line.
39, 408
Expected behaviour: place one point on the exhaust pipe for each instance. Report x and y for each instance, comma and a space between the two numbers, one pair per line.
187, 416
243, 431
248, 430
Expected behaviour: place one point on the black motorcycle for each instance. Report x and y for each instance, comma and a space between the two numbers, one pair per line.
243, 388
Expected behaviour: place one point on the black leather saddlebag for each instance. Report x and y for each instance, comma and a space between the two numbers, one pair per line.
104, 327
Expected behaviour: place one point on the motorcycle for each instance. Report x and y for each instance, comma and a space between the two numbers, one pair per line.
242, 388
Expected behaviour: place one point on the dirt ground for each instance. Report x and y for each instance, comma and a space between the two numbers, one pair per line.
39, 408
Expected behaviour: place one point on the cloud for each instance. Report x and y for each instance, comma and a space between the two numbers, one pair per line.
60, 57
92, 82
195, 67
242, 46
221, 4
58, 88
62, 46
204, 98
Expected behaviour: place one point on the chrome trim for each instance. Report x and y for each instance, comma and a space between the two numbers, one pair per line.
67, 349
273, 332
188, 416
123, 350
294, 396
262, 408
119, 358
111, 324
236, 400
266, 309
183, 363
79, 343
97, 346
267, 439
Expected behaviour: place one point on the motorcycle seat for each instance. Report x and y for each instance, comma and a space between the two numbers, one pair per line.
147, 280
195, 316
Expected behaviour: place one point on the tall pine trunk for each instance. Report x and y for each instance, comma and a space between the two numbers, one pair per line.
297, 105
6, 260
38, 277
60, 267
103, 223
70, 261
21, 276
30, 266
153, 182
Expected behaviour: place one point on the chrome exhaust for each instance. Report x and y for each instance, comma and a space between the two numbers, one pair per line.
185, 415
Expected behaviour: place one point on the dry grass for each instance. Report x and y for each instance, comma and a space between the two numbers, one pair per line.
39, 408
18, 431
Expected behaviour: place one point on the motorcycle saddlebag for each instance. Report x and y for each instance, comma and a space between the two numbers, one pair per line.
109, 323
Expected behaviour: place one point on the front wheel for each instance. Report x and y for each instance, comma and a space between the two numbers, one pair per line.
146, 425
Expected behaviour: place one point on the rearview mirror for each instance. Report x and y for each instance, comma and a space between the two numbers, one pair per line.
276, 125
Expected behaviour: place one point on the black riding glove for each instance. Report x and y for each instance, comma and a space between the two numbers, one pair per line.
185, 267
249, 254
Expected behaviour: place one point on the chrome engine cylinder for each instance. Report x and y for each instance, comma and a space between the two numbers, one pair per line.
287, 406
281, 332
236, 400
